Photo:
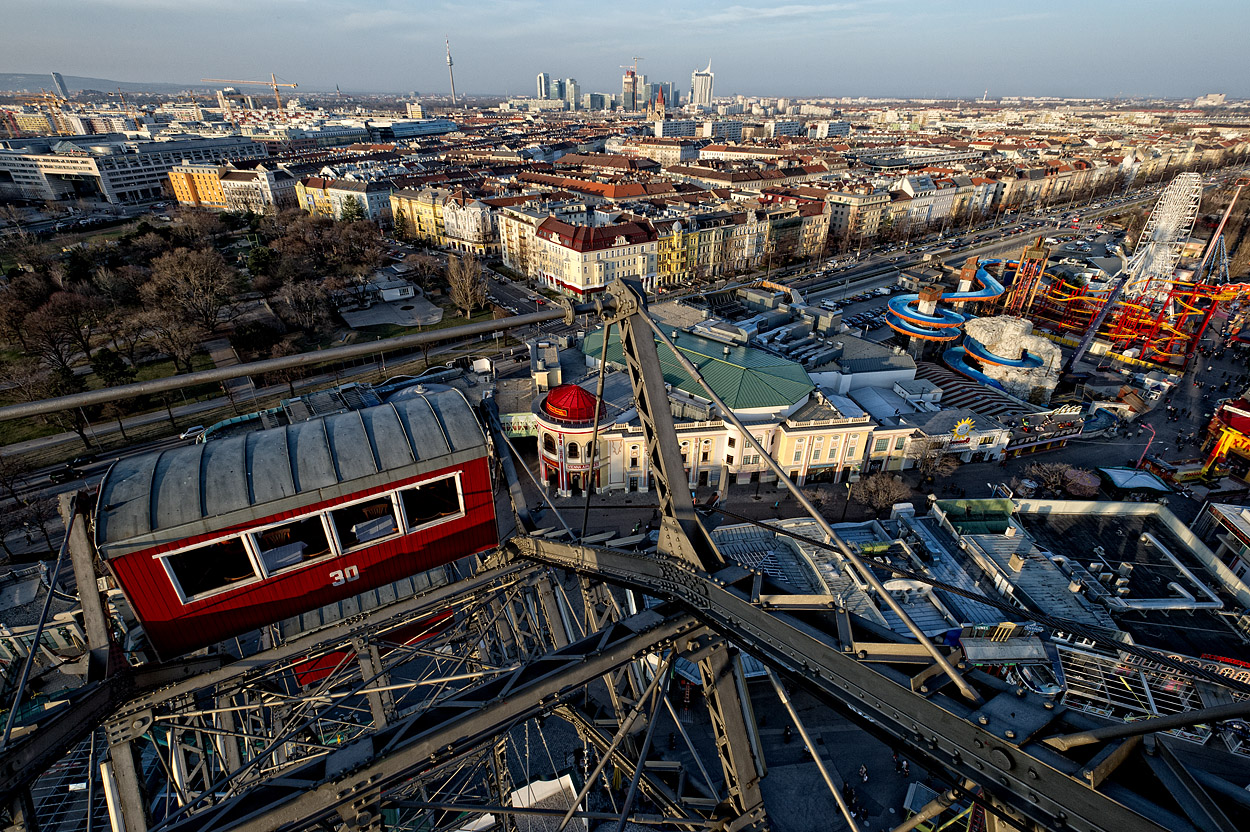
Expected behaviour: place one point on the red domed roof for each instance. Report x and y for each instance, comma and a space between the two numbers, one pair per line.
569, 403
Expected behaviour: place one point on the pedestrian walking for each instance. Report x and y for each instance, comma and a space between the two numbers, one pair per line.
906, 769
863, 772
898, 763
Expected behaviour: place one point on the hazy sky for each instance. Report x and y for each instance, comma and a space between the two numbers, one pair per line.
918, 48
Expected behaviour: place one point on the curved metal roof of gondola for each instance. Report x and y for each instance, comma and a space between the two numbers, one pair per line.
165, 496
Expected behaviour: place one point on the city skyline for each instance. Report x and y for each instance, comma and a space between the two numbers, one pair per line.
886, 48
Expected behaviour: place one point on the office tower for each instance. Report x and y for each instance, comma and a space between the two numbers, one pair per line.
670, 94
544, 83
572, 93
646, 94
59, 83
701, 87
629, 91
555, 92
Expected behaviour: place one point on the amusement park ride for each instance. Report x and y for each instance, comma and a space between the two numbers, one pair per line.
1147, 310
372, 668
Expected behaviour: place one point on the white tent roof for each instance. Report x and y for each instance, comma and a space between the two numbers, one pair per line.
1128, 478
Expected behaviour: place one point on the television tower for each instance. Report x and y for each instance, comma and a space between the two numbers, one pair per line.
451, 74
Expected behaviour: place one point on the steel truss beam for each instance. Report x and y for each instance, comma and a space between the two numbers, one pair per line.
352, 780
995, 745
682, 534
735, 733
228, 728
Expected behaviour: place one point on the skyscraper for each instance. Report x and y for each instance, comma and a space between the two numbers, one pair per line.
59, 83
572, 93
629, 91
701, 87
544, 83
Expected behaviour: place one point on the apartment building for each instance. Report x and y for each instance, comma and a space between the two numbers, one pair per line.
258, 190
198, 186
582, 259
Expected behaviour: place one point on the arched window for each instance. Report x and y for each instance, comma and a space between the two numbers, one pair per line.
549, 444
572, 451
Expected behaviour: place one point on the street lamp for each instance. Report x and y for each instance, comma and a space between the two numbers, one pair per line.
847, 504
1147, 448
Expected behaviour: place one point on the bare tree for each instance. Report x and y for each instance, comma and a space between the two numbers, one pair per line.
21, 296
78, 315
49, 340
1049, 475
127, 331
13, 471
197, 285
201, 228
40, 514
465, 283
931, 458
880, 491
290, 375
174, 337
421, 267
304, 304
120, 286
26, 249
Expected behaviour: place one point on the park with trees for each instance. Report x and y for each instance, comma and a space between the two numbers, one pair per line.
141, 302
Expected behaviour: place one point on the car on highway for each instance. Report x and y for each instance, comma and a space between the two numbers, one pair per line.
63, 473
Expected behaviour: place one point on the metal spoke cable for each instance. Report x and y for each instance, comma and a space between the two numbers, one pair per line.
698, 760
847, 814
277, 742
592, 487
621, 732
542, 492
43, 619
652, 721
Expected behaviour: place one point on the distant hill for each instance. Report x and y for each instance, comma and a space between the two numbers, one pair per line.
32, 82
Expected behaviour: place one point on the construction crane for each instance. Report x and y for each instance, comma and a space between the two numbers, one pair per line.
126, 105
633, 73
273, 83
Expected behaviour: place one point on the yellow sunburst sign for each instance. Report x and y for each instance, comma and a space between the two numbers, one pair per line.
962, 428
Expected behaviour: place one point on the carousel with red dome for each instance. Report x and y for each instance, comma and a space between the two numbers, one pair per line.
566, 427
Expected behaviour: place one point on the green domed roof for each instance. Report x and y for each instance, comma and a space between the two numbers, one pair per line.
747, 378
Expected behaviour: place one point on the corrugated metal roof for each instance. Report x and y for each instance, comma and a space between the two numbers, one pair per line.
745, 377
195, 489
